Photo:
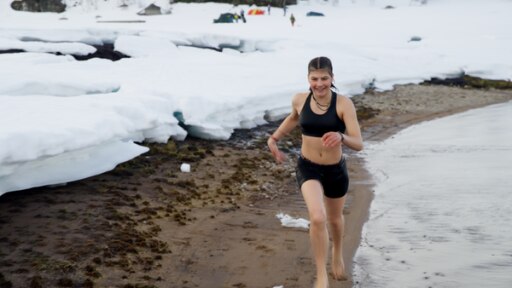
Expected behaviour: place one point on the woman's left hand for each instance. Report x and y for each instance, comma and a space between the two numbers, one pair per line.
331, 139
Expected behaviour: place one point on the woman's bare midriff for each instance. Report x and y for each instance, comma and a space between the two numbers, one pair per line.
313, 150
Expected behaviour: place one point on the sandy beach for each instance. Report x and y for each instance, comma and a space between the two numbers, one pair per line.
147, 224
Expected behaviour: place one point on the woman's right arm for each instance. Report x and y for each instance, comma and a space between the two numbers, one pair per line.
288, 124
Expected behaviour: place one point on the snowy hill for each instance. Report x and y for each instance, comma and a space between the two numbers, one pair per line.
64, 119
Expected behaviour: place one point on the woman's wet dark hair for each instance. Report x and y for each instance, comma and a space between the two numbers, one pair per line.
321, 62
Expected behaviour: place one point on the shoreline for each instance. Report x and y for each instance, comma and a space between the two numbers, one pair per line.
146, 223
395, 110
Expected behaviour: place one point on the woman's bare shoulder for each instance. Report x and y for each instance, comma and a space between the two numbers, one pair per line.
299, 98
342, 97
344, 100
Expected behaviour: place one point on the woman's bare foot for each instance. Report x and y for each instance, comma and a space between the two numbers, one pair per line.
338, 267
321, 281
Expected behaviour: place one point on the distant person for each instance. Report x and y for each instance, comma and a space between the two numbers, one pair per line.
292, 20
242, 15
284, 10
328, 122
268, 8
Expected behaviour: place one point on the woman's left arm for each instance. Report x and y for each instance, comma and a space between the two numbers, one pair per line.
352, 137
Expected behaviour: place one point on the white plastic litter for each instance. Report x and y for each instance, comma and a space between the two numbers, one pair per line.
185, 167
289, 221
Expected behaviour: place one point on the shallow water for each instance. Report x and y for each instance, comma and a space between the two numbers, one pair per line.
442, 211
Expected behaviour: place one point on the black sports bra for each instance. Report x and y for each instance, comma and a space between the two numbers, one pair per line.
317, 125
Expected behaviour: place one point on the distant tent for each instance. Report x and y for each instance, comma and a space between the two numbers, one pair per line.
256, 12
225, 18
313, 13
415, 39
152, 9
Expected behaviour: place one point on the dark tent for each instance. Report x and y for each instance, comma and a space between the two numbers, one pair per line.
225, 18
312, 13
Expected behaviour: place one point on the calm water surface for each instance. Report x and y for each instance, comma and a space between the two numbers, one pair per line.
442, 213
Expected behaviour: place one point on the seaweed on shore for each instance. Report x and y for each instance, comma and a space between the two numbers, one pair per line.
365, 112
4, 283
468, 81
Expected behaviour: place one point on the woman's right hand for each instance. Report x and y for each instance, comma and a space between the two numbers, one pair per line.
278, 155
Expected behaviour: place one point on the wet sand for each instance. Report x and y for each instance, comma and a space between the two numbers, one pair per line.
146, 224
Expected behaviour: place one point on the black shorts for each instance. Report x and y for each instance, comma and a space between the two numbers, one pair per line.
334, 177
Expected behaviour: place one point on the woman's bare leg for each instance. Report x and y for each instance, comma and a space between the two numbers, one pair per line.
313, 194
336, 224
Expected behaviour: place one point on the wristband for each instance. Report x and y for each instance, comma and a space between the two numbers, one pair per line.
342, 137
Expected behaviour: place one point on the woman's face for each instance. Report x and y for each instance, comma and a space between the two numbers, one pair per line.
320, 82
